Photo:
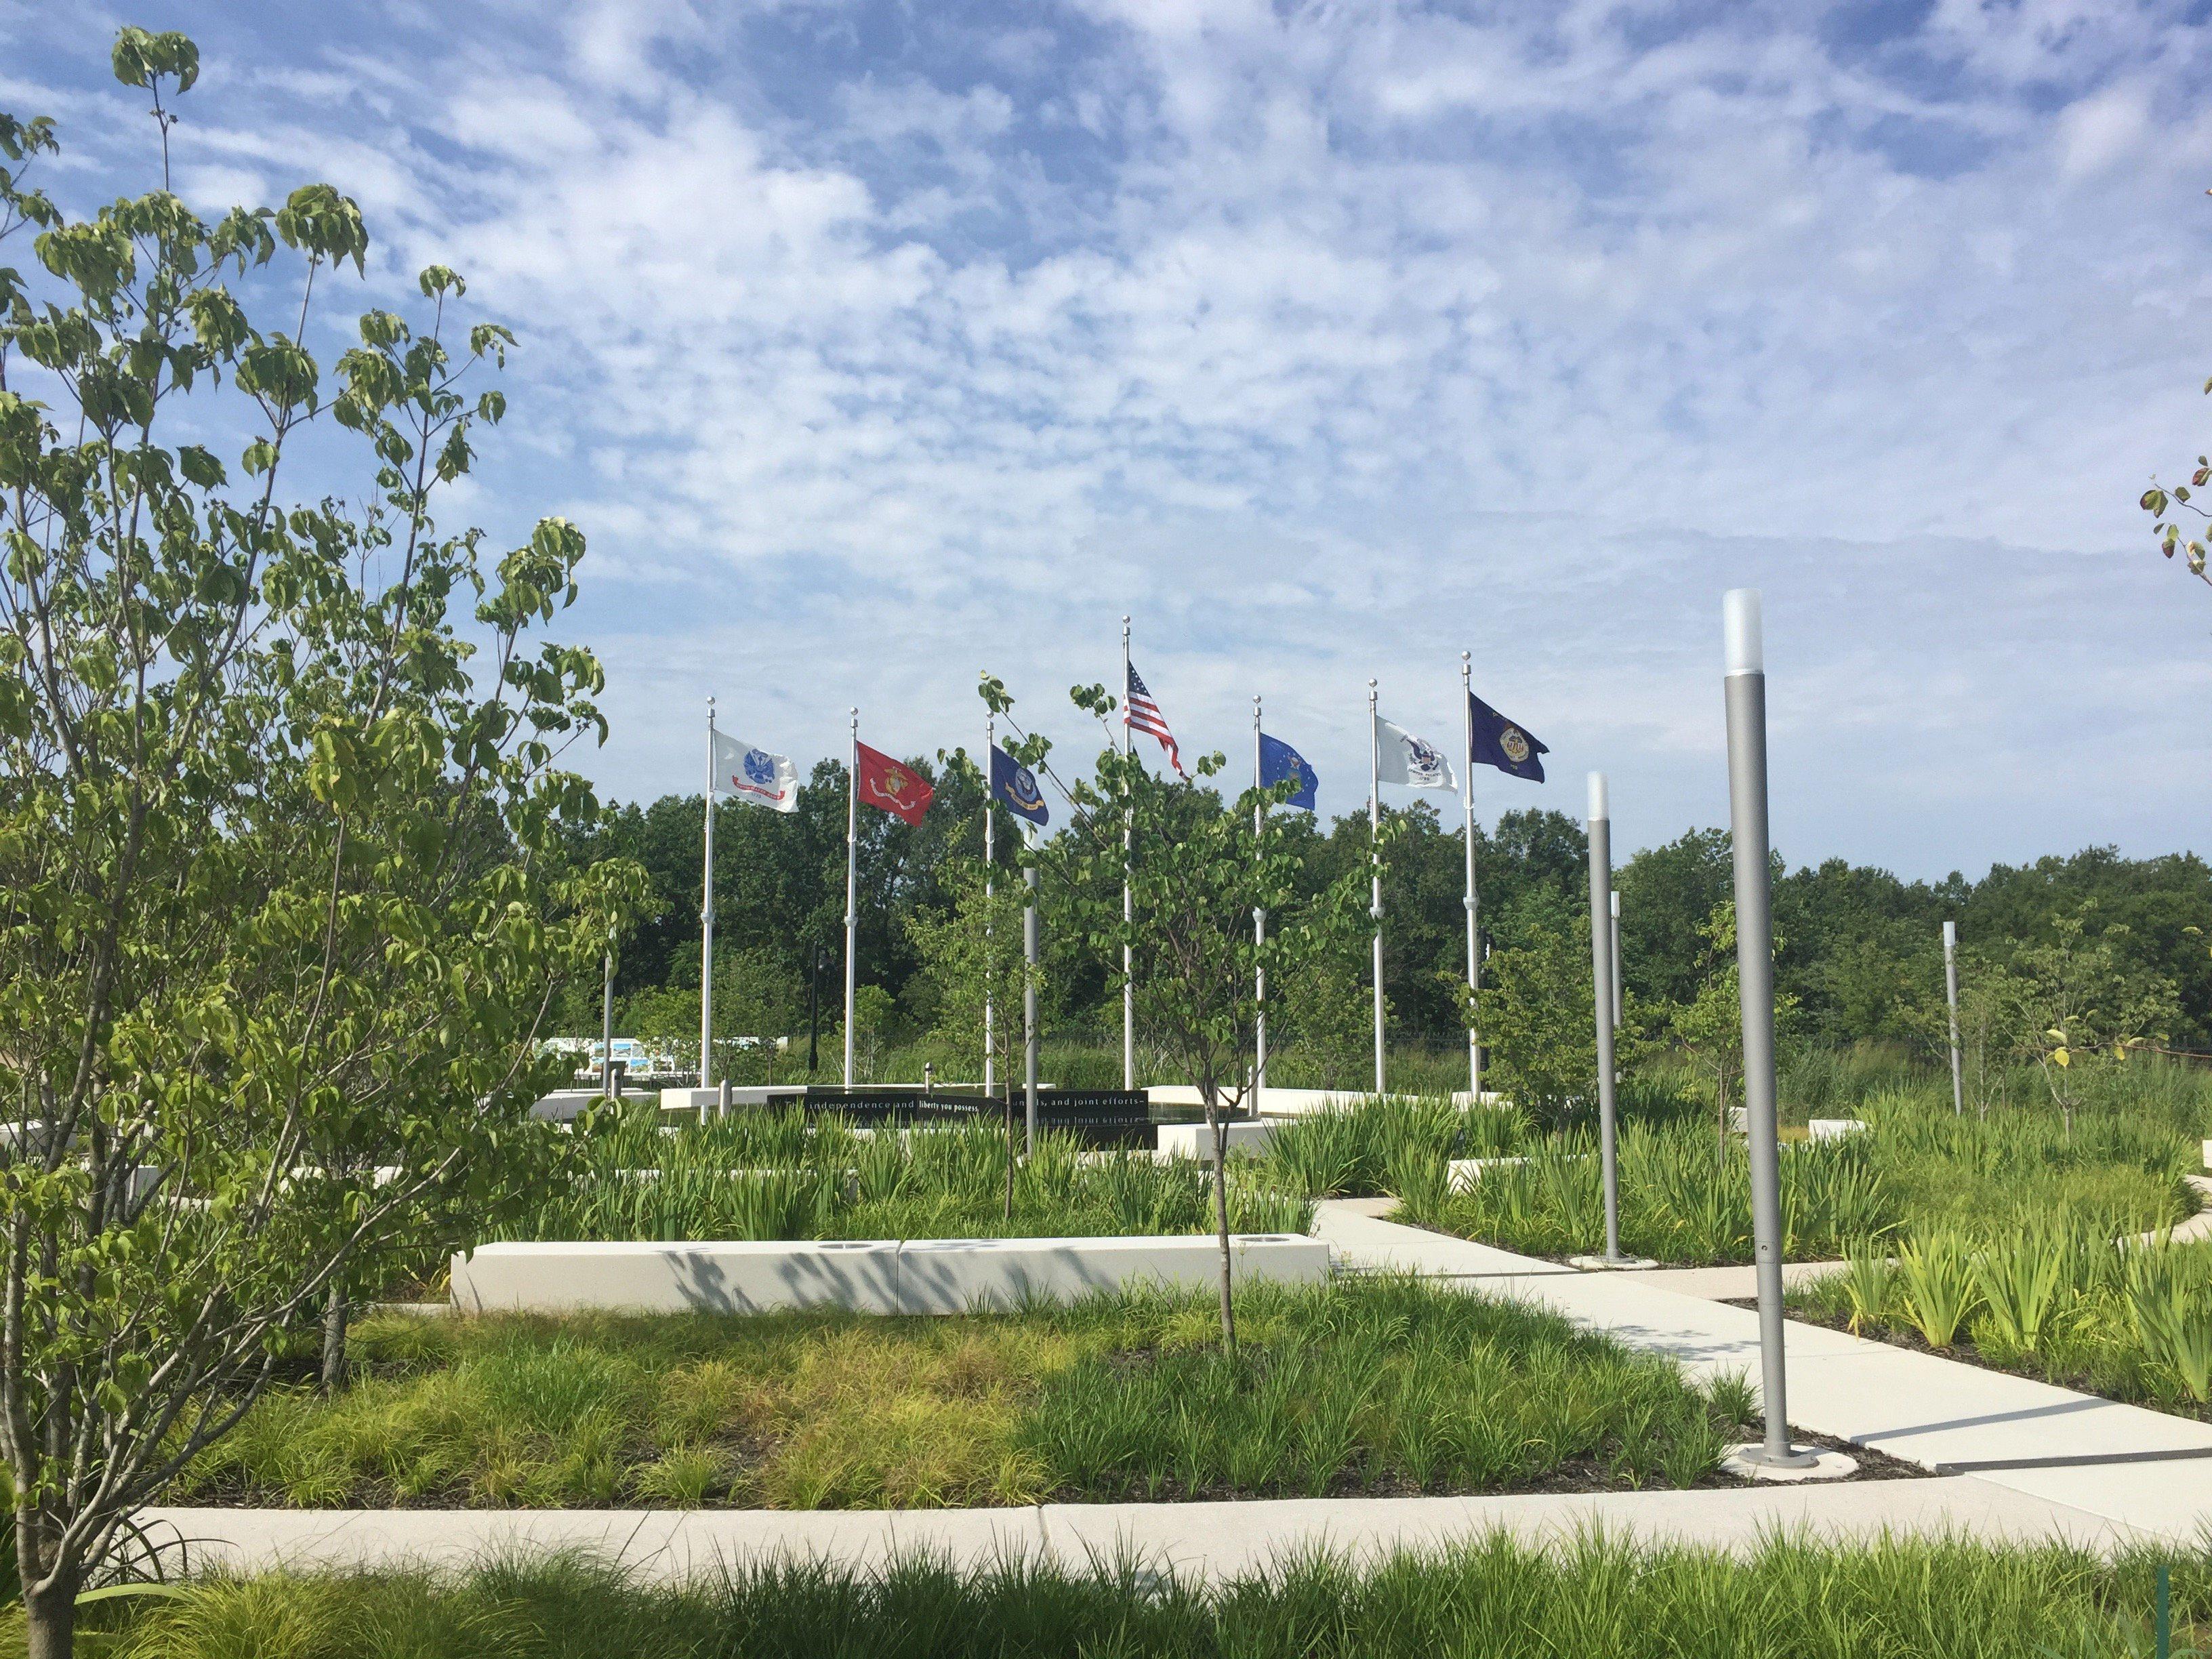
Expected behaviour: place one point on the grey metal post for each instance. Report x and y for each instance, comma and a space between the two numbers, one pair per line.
1028, 994
1755, 955
1619, 1017
607, 1022
1951, 991
1375, 868
1601, 888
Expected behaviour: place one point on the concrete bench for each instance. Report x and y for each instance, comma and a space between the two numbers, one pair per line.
920, 1276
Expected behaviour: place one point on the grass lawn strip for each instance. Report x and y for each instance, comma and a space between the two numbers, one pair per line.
1892, 1599
1371, 1387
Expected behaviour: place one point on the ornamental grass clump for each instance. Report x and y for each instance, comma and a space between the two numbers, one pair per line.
1682, 1199
1936, 1288
775, 1175
2020, 1281
2169, 1301
1350, 1150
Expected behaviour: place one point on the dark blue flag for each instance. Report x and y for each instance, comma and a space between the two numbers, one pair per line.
1496, 741
1280, 763
1015, 785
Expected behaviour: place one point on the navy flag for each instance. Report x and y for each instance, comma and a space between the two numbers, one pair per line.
1498, 741
1015, 785
1280, 763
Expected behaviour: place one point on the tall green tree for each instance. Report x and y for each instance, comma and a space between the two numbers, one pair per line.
1537, 1017
284, 884
1709, 1026
2083, 1006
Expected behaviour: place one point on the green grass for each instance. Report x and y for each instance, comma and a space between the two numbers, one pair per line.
1363, 1148
1488, 1598
761, 1175
1379, 1385
1918, 1170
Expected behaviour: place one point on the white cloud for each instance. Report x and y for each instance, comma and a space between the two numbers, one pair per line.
1330, 340
2098, 132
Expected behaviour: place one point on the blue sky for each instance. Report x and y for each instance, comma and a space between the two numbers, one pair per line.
872, 345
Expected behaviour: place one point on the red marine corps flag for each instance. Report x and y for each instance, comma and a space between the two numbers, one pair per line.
890, 784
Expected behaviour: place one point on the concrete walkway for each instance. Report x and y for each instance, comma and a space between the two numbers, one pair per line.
1201, 1541
2137, 1468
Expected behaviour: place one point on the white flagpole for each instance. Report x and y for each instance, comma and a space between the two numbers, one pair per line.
851, 875
1375, 867
990, 866
1474, 932
1128, 987
1259, 936
1029, 996
707, 925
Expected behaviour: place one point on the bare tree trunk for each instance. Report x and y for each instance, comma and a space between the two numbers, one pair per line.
1220, 1133
1010, 1151
334, 1339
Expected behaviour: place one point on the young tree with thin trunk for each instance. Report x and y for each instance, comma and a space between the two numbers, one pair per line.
283, 892
1198, 870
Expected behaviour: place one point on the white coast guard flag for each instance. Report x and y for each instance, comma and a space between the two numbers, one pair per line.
756, 775
1401, 757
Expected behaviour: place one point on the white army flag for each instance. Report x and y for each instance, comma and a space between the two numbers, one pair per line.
1401, 757
755, 775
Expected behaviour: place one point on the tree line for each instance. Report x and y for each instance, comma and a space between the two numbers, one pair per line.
1859, 956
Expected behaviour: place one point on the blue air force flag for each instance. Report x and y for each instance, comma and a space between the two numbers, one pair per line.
1280, 763
755, 775
1498, 741
1015, 785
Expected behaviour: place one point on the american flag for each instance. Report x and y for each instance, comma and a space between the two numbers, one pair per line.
1140, 713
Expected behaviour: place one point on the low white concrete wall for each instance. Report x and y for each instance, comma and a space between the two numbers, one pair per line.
921, 1276
733, 1277
1246, 1138
1464, 1172
567, 1105
1834, 1129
